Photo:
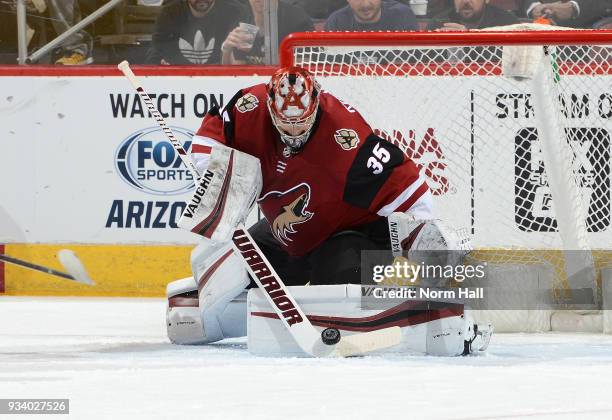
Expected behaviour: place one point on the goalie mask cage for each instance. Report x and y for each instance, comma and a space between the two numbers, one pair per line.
511, 128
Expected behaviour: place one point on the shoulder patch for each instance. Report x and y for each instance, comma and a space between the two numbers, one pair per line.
347, 139
247, 103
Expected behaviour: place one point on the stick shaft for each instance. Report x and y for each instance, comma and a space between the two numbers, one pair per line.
279, 298
36, 267
124, 66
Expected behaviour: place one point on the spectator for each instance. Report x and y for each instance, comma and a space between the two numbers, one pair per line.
8, 33
290, 19
8, 30
77, 48
471, 14
372, 15
319, 9
436, 7
192, 31
575, 13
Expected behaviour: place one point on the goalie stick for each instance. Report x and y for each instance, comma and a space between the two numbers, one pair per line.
71, 263
327, 343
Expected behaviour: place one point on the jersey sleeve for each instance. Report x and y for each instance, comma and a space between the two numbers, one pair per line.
383, 180
216, 128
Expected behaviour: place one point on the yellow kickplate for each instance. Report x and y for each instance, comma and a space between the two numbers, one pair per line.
118, 270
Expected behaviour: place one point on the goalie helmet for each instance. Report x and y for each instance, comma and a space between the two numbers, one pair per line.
293, 101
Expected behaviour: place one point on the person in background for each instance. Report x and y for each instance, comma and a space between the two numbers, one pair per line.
240, 48
319, 9
36, 13
322, 9
435, 7
471, 14
372, 15
574, 13
8, 34
77, 48
192, 31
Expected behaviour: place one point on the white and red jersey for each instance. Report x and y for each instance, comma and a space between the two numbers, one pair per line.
343, 177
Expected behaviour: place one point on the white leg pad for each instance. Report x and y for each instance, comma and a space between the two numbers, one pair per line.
267, 336
184, 318
211, 305
183, 321
221, 277
233, 319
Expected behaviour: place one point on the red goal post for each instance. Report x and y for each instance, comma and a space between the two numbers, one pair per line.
389, 39
474, 38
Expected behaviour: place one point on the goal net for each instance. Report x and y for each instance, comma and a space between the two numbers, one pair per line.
511, 129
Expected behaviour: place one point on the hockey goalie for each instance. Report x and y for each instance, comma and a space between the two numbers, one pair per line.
329, 188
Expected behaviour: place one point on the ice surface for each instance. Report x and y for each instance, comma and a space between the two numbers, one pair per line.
112, 359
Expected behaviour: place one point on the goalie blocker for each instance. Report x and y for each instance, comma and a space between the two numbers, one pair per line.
224, 196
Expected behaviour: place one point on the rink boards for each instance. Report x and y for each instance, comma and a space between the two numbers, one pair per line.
84, 167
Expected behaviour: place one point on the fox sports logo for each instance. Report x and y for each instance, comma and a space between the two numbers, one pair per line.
147, 161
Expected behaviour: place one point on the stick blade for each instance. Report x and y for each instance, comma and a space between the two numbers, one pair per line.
361, 343
74, 266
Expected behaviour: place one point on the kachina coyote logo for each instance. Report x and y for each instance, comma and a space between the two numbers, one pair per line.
247, 103
347, 139
292, 204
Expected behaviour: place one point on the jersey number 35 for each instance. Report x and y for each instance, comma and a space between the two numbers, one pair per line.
381, 155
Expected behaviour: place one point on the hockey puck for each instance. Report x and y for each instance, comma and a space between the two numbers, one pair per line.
330, 336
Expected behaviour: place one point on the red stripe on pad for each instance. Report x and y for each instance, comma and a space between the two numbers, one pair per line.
198, 148
179, 301
211, 270
207, 227
385, 319
409, 241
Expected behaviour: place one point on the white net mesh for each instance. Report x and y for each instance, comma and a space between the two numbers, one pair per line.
475, 134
